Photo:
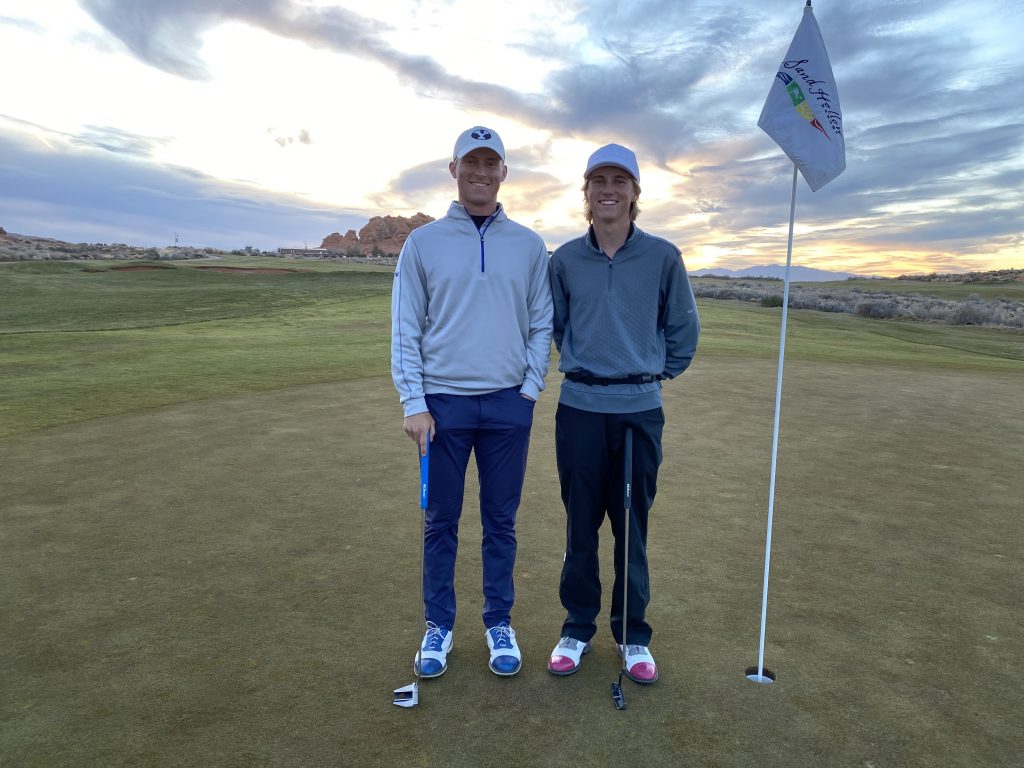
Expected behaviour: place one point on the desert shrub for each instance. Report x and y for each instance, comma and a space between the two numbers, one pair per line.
879, 310
1011, 313
822, 303
732, 291
970, 313
973, 310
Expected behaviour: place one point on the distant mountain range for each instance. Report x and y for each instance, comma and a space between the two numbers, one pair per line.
796, 274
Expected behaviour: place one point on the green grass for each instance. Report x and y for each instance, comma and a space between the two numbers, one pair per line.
202, 523
91, 296
76, 345
742, 328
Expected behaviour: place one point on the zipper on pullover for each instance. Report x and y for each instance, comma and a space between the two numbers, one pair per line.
482, 230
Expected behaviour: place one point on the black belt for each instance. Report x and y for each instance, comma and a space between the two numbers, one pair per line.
582, 377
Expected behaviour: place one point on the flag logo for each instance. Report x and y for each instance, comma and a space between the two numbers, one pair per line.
796, 93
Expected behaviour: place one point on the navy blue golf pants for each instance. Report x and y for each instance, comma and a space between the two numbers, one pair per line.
591, 470
496, 428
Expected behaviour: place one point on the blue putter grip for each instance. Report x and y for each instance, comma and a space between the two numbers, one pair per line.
424, 477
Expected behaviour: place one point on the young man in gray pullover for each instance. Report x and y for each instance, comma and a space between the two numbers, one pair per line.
470, 343
625, 320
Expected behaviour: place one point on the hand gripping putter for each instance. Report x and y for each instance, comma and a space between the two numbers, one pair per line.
409, 695
627, 484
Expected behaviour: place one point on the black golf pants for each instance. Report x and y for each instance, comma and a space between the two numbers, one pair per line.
591, 470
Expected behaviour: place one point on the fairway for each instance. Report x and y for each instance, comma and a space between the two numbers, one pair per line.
209, 542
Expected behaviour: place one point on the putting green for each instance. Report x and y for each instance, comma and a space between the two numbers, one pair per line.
230, 579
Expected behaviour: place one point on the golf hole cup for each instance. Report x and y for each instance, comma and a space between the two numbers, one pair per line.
767, 677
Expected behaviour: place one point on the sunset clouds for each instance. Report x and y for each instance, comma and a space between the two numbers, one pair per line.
321, 114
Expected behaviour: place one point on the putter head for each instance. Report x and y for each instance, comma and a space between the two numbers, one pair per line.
617, 696
407, 695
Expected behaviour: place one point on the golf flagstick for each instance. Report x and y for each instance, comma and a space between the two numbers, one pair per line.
759, 674
627, 484
785, 116
409, 695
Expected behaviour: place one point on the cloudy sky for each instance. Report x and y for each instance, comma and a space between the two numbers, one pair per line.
276, 122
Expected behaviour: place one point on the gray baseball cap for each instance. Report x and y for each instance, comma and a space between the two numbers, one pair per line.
615, 155
478, 137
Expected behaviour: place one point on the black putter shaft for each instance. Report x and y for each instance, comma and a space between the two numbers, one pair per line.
627, 485
403, 697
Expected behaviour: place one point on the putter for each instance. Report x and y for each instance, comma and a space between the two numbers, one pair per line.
409, 695
617, 695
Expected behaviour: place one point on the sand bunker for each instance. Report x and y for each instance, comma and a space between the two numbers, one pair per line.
230, 270
254, 270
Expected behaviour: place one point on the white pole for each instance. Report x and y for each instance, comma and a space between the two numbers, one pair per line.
775, 434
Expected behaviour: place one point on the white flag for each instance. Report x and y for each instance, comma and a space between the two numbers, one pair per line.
802, 110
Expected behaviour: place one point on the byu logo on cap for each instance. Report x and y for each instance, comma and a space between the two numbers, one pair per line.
478, 137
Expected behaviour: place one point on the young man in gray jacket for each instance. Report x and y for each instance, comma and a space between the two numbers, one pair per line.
470, 343
625, 320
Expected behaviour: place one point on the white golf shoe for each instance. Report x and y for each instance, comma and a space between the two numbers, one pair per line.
432, 659
505, 659
565, 659
640, 666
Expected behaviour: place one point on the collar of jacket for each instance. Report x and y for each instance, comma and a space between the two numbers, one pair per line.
457, 211
634, 233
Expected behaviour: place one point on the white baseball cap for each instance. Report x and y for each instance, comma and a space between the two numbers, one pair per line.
615, 155
478, 137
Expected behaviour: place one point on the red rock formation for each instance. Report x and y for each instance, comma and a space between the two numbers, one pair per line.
382, 234
335, 242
